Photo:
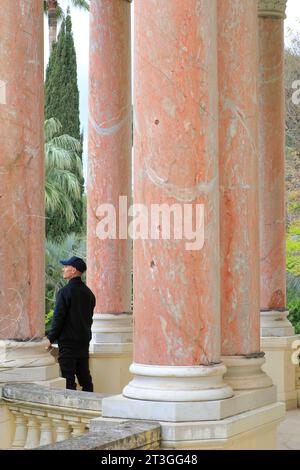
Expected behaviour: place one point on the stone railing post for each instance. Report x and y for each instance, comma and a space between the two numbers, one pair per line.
33, 433
20, 430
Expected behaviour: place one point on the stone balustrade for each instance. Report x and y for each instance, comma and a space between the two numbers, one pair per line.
43, 418
40, 416
37, 425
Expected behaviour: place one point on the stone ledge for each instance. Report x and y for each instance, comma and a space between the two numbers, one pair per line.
118, 436
118, 406
223, 429
29, 374
60, 398
278, 342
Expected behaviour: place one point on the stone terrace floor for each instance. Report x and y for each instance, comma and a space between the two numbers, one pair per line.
289, 431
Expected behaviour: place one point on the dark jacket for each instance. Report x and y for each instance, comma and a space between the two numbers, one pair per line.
73, 315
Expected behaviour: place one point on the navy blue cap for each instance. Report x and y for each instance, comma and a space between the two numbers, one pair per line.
77, 263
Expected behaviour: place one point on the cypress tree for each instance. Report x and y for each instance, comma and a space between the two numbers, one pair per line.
62, 102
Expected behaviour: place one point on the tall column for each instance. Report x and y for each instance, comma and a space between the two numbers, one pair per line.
176, 290
109, 260
239, 180
272, 169
277, 332
22, 214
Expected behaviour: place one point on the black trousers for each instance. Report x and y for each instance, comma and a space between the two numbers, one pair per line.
72, 365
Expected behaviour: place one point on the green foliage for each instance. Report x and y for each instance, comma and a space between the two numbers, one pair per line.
293, 300
293, 249
48, 321
294, 315
62, 95
292, 63
84, 218
293, 206
73, 245
62, 165
62, 103
292, 172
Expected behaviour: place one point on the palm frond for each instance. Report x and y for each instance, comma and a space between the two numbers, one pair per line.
56, 157
83, 4
52, 126
61, 151
66, 181
63, 168
78, 168
60, 15
67, 142
63, 204
52, 196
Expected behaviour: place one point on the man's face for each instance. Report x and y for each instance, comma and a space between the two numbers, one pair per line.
68, 272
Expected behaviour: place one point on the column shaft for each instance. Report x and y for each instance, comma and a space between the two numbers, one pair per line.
21, 170
238, 59
110, 143
176, 290
272, 169
272, 163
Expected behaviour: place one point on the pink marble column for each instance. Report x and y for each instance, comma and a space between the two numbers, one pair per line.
272, 169
176, 290
238, 55
21, 170
110, 144
239, 182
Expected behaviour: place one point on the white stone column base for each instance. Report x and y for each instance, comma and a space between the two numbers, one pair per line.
252, 430
29, 361
111, 352
245, 373
275, 323
177, 383
281, 366
112, 328
121, 407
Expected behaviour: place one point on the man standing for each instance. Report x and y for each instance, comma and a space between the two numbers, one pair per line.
71, 325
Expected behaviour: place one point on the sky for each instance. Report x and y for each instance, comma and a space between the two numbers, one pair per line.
80, 21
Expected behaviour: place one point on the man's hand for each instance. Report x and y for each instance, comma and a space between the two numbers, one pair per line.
49, 347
